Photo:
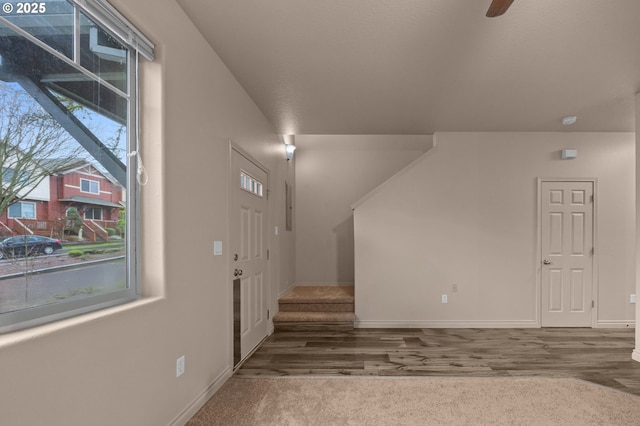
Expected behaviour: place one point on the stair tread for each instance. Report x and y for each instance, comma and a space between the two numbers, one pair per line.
314, 317
319, 294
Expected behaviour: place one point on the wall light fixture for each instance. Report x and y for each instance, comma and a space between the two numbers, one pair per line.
289, 146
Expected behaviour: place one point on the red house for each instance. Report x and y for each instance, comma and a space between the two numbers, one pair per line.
96, 195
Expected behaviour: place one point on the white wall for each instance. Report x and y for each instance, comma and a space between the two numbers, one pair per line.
41, 192
332, 172
466, 214
117, 367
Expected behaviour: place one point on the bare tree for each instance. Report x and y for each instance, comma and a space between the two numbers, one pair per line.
32, 145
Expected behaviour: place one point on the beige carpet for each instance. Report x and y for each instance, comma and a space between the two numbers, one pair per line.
417, 401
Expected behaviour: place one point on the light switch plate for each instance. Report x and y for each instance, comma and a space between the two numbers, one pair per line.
180, 366
217, 248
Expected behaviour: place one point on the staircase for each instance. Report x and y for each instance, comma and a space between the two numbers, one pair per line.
315, 307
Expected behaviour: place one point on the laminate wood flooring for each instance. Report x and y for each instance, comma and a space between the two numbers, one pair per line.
601, 356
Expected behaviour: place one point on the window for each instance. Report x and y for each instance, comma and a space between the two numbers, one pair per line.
68, 95
22, 210
90, 186
250, 184
93, 213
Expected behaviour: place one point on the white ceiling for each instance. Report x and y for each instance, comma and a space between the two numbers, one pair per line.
421, 66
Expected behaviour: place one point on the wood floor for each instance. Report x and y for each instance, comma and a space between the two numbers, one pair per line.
601, 356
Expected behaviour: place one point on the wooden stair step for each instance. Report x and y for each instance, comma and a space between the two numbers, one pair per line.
318, 294
316, 307
320, 317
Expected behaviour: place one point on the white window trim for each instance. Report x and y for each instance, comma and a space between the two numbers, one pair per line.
251, 185
107, 16
84, 215
35, 211
90, 182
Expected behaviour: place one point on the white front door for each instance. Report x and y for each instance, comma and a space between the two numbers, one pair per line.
248, 248
566, 225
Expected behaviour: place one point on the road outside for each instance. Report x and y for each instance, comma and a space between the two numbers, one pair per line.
58, 278
63, 285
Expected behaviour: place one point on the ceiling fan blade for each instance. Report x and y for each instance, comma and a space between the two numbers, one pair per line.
498, 7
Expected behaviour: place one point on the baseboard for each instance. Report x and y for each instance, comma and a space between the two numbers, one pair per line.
446, 324
635, 355
202, 399
616, 324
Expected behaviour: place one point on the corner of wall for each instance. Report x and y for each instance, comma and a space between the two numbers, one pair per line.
384, 184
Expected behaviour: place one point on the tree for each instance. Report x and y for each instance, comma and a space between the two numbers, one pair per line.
122, 222
74, 220
32, 145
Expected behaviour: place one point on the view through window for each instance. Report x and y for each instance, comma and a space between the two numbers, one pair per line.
67, 203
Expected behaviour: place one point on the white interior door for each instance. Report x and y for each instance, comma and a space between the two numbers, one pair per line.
566, 225
248, 248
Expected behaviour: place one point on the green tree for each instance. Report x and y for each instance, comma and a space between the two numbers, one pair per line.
74, 220
122, 222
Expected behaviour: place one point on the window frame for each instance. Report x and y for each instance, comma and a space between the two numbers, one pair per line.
111, 21
90, 182
92, 210
22, 216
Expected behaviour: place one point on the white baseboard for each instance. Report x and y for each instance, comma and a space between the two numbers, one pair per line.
202, 399
615, 324
635, 355
447, 324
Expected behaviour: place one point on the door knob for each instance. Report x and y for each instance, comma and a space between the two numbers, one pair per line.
546, 262
236, 273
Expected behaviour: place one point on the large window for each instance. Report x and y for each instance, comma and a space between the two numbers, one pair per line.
68, 95
22, 210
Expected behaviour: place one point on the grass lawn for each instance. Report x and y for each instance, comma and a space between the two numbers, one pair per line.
90, 246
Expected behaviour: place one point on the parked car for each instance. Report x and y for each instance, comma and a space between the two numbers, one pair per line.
28, 245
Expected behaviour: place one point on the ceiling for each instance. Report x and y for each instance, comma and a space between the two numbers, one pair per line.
421, 66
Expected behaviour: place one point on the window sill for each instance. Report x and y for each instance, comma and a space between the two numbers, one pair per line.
21, 336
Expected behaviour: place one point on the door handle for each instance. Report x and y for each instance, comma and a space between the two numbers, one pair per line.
237, 272
546, 262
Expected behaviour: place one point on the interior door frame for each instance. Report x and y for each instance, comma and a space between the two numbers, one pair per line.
595, 257
229, 263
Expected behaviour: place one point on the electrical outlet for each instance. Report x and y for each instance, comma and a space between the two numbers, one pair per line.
180, 366
444, 298
632, 298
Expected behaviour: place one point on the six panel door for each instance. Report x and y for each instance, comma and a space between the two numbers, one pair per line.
567, 254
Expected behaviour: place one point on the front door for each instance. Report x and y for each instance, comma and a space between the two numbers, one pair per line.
248, 248
566, 225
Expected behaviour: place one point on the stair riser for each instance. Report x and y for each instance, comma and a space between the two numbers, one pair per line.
339, 327
316, 307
